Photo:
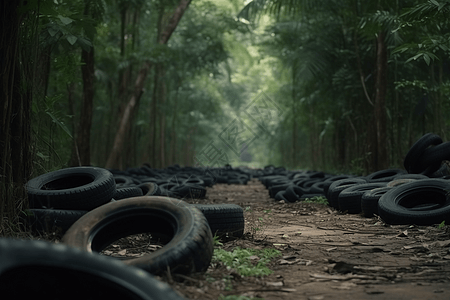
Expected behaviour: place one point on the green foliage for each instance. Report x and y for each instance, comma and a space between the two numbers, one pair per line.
241, 260
441, 225
317, 199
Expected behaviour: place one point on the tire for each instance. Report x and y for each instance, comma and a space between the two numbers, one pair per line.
52, 220
183, 230
327, 183
225, 220
414, 153
411, 176
384, 175
190, 191
38, 269
150, 189
397, 182
423, 202
369, 201
122, 181
350, 198
338, 186
433, 157
293, 193
79, 188
127, 192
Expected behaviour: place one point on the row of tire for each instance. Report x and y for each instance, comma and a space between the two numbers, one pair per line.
416, 195
93, 208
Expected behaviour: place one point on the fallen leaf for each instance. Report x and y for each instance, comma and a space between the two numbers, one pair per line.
122, 252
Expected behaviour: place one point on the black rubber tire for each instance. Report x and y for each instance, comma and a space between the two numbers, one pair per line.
433, 157
79, 188
42, 270
127, 192
350, 198
122, 181
423, 202
293, 193
52, 220
317, 188
417, 149
369, 201
150, 189
411, 176
182, 228
225, 220
280, 196
189, 191
397, 182
338, 186
327, 183
384, 175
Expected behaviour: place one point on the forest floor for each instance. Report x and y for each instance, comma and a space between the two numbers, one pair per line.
325, 254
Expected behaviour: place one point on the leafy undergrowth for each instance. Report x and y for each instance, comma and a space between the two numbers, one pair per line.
247, 262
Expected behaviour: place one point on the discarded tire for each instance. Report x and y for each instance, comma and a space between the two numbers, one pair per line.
37, 269
182, 228
338, 186
127, 192
369, 201
423, 202
79, 188
52, 220
384, 175
225, 220
417, 149
350, 198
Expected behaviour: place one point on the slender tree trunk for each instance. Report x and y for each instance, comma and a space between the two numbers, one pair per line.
380, 103
162, 118
294, 121
84, 127
139, 85
174, 125
16, 66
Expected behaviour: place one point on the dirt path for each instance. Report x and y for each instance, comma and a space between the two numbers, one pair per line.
326, 254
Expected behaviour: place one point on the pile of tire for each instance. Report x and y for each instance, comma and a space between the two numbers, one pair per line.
417, 195
84, 204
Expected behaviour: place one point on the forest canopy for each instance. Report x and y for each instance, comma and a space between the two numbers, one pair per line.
337, 86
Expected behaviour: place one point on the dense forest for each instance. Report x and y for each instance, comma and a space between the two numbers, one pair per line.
337, 86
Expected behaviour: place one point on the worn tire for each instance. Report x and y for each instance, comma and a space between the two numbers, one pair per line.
225, 220
52, 220
127, 192
79, 188
423, 202
417, 149
182, 228
41, 270
350, 198
338, 186
369, 201
384, 175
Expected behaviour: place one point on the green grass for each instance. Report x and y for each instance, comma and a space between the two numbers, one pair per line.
317, 199
241, 260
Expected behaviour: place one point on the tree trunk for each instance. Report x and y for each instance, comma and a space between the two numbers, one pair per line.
16, 66
162, 119
380, 104
139, 85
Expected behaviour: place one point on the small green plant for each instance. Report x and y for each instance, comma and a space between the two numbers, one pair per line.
241, 260
216, 241
442, 225
317, 199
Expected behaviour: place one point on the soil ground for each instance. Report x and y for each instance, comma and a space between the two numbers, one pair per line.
325, 254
